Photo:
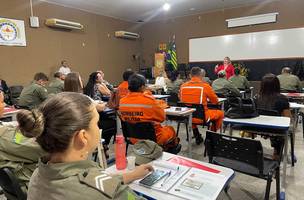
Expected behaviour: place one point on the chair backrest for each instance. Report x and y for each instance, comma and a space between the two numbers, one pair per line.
10, 185
139, 130
173, 99
234, 148
268, 112
14, 93
199, 109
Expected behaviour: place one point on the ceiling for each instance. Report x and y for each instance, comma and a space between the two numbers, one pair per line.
151, 10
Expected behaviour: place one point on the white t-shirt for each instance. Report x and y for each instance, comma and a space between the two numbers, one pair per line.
64, 70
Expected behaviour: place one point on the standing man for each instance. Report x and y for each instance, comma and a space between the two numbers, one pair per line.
197, 91
289, 82
64, 69
35, 93
57, 84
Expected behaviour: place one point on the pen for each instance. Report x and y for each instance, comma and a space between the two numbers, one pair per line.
167, 176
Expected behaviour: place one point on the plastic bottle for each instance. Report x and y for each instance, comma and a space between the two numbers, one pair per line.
120, 153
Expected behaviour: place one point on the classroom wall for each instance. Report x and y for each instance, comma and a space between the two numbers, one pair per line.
291, 15
86, 51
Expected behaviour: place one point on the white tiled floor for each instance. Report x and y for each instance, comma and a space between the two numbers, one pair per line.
249, 188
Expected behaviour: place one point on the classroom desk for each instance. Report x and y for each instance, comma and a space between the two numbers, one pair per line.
227, 173
184, 112
160, 96
266, 122
10, 112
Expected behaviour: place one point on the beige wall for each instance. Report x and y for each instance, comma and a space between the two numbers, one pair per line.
291, 15
46, 47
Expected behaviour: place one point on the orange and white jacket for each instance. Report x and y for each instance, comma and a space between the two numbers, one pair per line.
123, 89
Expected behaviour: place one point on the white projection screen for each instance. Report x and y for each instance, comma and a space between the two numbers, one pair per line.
286, 43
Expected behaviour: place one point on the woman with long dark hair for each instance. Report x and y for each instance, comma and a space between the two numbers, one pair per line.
95, 87
270, 99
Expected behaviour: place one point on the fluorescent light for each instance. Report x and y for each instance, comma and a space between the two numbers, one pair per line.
166, 7
252, 20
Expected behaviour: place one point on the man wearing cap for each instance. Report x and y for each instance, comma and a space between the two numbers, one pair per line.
197, 91
140, 107
224, 87
288, 81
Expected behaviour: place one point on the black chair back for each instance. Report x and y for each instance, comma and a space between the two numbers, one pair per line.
199, 110
268, 112
238, 149
173, 99
14, 93
139, 130
10, 185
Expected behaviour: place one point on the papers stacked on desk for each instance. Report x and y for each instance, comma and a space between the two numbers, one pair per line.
189, 182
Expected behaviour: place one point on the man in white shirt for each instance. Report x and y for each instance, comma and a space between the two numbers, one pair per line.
64, 69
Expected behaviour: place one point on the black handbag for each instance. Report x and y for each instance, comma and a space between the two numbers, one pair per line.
241, 108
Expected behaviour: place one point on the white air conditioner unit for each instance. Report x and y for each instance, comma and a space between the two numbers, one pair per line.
59, 23
127, 35
252, 20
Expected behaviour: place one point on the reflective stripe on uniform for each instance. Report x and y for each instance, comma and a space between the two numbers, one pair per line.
136, 105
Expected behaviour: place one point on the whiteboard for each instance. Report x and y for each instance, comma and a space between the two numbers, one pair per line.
286, 43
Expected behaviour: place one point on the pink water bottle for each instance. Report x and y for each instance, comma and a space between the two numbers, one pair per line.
120, 152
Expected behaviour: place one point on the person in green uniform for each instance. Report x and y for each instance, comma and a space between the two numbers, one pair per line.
17, 151
206, 78
35, 93
65, 126
288, 81
222, 86
173, 82
57, 84
239, 81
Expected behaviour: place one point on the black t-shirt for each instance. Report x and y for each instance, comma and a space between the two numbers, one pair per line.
277, 103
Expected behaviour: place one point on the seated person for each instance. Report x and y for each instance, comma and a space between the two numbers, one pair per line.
288, 81
56, 85
65, 126
224, 87
96, 89
160, 81
205, 78
197, 91
239, 81
173, 82
17, 151
109, 85
123, 86
5, 89
64, 68
144, 108
35, 93
270, 98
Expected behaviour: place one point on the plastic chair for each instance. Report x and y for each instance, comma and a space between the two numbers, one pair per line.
243, 155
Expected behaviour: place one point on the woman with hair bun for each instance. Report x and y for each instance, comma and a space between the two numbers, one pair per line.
18, 152
65, 126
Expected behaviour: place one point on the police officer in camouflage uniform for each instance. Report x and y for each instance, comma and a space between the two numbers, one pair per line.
57, 84
224, 87
239, 81
289, 82
34, 94
17, 152
65, 126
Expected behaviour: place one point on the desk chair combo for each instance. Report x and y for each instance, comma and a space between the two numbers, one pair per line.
143, 131
245, 156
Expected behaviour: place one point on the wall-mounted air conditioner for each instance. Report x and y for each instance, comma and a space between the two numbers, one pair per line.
252, 20
126, 35
59, 23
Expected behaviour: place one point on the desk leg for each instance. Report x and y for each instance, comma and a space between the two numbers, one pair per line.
285, 163
190, 135
230, 130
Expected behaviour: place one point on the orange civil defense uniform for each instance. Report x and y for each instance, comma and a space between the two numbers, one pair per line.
123, 89
196, 91
140, 107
